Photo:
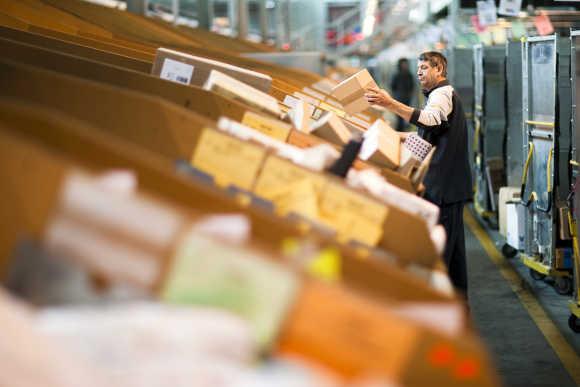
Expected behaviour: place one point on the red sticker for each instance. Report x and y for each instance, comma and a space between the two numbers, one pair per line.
441, 355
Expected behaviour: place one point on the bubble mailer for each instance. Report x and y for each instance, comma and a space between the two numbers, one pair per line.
419, 147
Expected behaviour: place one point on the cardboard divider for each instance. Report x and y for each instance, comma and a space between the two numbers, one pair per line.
65, 18
202, 36
114, 46
152, 122
91, 104
62, 46
207, 104
137, 32
201, 101
28, 193
202, 68
323, 322
121, 23
12, 22
20, 11
99, 150
126, 25
157, 125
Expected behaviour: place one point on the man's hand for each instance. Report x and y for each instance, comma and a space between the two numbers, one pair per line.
378, 97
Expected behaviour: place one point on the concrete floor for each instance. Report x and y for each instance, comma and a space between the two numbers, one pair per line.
521, 353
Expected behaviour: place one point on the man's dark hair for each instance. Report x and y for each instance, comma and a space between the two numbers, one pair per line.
435, 59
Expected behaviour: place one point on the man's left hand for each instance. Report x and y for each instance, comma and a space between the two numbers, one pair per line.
378, 97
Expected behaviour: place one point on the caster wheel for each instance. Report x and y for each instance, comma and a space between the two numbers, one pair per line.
508, 251
574, 323
537, 276
563, 285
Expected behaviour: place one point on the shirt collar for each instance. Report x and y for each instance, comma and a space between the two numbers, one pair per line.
442, 83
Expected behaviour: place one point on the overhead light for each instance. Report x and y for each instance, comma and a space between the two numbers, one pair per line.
369, 19
419, 14
368, 26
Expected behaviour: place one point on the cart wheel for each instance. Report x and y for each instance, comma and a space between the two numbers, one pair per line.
563, 285
574, 323
508, 251
537, 276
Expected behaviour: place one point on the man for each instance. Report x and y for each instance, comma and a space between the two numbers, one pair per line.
448, 181
402, 86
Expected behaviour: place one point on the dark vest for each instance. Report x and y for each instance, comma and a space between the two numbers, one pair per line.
448, 179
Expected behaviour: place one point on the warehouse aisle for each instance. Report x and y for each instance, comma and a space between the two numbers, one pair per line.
522, 354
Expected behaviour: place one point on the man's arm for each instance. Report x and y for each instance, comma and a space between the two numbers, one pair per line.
431, 117
383, 98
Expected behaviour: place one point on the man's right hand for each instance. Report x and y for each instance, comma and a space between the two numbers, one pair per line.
378, 97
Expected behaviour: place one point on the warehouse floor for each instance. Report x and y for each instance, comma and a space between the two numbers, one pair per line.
523, 322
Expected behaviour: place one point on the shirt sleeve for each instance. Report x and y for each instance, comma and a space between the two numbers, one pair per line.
435, 113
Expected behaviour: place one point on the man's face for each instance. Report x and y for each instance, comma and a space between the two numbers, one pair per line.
427, 75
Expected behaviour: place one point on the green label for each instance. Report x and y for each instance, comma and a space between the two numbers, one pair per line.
210, 273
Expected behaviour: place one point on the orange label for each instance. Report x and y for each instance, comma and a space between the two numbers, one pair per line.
350, 335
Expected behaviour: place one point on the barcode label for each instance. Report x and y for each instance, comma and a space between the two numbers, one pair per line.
175, 71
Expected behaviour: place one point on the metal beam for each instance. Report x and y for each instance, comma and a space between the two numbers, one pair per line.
175, 10
263, 17
243, 18
137, 6
205, 14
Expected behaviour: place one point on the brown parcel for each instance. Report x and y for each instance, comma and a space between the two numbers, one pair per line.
351, 92
331, 128
382, 145
229, 87
203, 66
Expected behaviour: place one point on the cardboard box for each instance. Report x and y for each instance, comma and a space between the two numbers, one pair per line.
360, 122
418, 249
300, 111
227, 86
381, 145
495, 166
563, 258
398, 180
564, 225
325, 85
418, 176
194, 70
350, 92
408, 162
331, 128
